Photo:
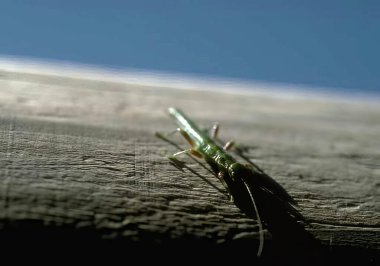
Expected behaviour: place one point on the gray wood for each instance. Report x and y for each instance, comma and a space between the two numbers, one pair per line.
81, 154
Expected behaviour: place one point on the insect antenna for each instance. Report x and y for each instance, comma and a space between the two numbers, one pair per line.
260, 224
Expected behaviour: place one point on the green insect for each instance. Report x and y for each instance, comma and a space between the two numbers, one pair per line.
243, 182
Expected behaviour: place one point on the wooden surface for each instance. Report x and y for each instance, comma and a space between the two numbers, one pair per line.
79, 158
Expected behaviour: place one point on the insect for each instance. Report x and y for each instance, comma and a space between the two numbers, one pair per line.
243, 182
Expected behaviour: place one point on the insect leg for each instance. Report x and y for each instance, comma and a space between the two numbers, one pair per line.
192, 150
188, 151
228, 145
214, 135
177, 163
175, 160
181, 152
221, 176
174, 131
214, 130
168, 134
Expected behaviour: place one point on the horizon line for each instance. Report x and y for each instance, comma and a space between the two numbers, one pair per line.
69, 69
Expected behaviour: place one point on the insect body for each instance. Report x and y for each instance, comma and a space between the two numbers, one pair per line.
223, 164
236, 177
252, 190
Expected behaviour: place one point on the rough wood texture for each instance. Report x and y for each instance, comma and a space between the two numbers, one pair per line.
79, 156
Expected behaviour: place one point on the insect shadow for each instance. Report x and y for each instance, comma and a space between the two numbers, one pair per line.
281, 217
290, 242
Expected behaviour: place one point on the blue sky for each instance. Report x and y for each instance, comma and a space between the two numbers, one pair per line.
317, 43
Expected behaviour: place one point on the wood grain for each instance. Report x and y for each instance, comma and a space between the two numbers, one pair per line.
80, 156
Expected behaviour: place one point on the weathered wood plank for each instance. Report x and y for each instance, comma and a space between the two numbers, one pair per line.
81, 154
